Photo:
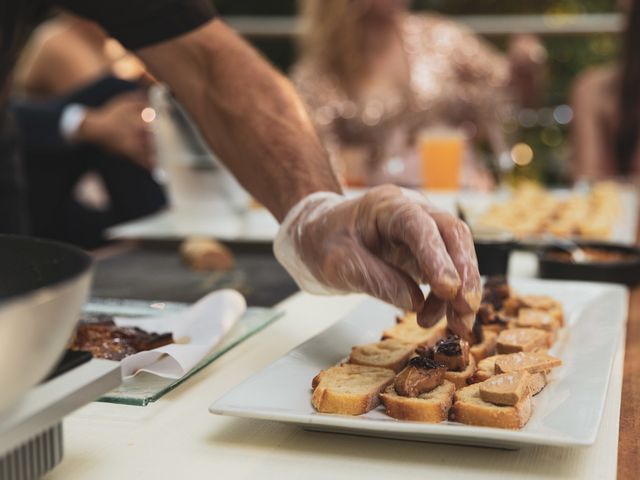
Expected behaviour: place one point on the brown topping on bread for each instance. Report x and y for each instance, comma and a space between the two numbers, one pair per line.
420, 376
487, 315
532, 362
506, 388
538, 302
452, 352
469, 408
532, 318
496, 290
522, 340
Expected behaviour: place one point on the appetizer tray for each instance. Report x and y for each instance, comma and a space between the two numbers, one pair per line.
145, 388
566, 413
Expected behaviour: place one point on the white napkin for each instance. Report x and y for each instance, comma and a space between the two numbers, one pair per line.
197, 330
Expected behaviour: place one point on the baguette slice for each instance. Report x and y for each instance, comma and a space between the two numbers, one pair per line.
522, 340
470, 409
460, 379
486, 369
513, 305
541, 319
532, 362
537, 364
410, 332
431, 407
349, 389
537, 382
390, 353
487, 347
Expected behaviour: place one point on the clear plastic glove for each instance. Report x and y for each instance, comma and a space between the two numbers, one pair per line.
384, 244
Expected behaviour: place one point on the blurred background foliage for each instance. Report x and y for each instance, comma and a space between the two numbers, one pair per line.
568, 55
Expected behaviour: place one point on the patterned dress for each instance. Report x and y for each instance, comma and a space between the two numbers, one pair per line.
456, 79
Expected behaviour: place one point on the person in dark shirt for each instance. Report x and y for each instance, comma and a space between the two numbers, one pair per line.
383, 243
87, 153
111, 143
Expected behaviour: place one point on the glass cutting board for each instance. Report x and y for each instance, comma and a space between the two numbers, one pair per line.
145, 388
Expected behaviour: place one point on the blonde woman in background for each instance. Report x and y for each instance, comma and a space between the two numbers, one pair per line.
373, 75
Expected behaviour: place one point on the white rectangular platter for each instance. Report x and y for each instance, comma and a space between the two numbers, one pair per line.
566, 413
257, 225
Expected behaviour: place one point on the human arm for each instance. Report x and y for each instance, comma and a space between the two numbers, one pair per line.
589, 126
248, 113
110, 118
381, 244
252, 118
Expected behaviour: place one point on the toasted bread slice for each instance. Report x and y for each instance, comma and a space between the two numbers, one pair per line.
485, 369
506, 388
349, 389
532, 362
470, 409
513, 305
522, 340
537, 382
461, 379
540, 319
432, 407
411, 332
390, 353
487, 347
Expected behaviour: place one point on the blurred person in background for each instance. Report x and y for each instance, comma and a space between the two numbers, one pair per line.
373, 75
606, 111
384, 243
87, 153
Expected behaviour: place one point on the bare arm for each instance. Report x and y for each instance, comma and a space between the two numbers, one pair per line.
249, 114
588, 129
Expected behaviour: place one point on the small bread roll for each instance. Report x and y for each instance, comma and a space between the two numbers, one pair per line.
206, 254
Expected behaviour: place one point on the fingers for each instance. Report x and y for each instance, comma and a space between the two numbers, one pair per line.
408, 223
459, 244
460, 324
432, 311
357, 270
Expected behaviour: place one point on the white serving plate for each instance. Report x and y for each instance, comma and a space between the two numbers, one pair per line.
566, 413
257, 225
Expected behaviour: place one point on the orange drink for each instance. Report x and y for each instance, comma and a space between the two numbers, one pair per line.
441, 152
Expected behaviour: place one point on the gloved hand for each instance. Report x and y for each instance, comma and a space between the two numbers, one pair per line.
384, 244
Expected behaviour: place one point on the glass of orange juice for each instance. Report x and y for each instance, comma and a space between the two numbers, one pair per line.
441, 152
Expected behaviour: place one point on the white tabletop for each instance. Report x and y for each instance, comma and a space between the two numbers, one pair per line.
177, 438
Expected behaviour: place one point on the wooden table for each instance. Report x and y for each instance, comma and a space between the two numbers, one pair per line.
629, 439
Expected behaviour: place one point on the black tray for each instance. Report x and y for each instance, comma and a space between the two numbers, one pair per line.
626, 271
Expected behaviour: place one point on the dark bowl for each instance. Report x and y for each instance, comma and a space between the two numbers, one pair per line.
493, 256
624, 271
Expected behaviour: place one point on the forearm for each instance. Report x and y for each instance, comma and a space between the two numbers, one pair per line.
248, 113
589, 154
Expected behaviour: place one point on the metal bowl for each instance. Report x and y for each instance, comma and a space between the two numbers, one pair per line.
43, 285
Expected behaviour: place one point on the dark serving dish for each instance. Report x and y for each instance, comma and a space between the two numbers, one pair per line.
611, 263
